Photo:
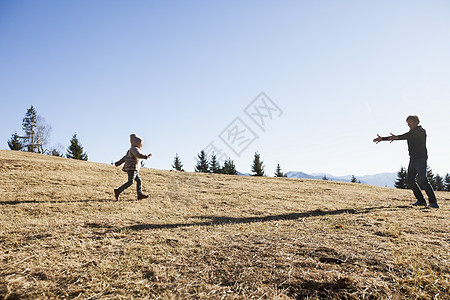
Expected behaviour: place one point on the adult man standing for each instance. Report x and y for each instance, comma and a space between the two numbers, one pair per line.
416, 138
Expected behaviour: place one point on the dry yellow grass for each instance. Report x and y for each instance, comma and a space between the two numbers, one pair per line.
205, 236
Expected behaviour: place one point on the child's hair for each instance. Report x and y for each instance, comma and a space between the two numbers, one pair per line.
414, 118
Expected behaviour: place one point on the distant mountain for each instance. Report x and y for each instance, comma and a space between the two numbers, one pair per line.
242, 174
383, 179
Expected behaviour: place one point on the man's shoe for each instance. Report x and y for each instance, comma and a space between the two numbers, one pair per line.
434, 205
142, 196
419, 203
116, 194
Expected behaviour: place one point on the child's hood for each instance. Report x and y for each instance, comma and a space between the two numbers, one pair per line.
135, 140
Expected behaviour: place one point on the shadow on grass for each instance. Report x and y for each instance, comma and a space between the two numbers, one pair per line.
342, 288
220, 220
17, 202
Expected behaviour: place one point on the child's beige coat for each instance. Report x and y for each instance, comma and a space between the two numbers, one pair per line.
133, 156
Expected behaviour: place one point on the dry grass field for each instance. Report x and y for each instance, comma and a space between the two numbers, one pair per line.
203, 236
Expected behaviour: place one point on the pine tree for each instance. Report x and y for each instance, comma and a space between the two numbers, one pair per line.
75, 150
15, 143
430, 177
439, 182
214, 165
229, 167
324, 177
202, 164
401, 182
177, 165
29, 124
278, 172
447, 182
354, 180
258, 166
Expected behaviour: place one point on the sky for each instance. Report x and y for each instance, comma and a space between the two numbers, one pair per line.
306, 84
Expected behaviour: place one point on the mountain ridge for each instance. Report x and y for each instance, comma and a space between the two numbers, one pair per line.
381, 179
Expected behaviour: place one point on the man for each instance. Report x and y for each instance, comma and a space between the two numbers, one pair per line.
416, 138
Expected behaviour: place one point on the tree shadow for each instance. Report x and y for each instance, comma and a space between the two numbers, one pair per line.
220, 220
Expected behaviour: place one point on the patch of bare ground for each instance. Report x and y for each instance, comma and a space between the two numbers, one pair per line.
205, 236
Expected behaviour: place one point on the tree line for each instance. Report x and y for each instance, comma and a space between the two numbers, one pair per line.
211, 165
438, 182
36, 138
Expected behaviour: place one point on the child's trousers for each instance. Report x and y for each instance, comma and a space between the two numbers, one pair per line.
132, 175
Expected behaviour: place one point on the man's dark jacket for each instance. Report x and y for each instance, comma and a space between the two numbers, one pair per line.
417, 139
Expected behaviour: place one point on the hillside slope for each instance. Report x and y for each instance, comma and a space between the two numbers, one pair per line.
207, 236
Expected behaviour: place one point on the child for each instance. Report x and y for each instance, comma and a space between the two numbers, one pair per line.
132, 166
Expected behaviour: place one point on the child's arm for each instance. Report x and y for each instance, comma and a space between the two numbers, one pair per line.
138, 153
121, 161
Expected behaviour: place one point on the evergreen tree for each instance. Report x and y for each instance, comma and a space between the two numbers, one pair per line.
354, 180
430, 177
447, 182
214, 165
278, 172
15, 143
439, 182
37, 132
29, 124
324, 177
75, 150
177, 165
401, 182
229, 167
202, 164
258, 166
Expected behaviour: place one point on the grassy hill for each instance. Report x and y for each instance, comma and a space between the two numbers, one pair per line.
203, 236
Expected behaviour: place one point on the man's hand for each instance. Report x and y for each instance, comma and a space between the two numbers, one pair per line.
377, 139
148, 156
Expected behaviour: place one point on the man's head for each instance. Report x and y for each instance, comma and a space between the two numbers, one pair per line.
413, 121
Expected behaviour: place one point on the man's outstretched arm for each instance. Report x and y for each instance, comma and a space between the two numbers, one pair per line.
391, 138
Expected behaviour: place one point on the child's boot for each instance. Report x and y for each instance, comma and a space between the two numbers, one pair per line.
116, 194
142, 196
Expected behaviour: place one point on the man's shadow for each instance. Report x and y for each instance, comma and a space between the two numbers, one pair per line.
220, 220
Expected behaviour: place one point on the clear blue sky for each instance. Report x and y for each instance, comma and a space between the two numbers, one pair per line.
178, 73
